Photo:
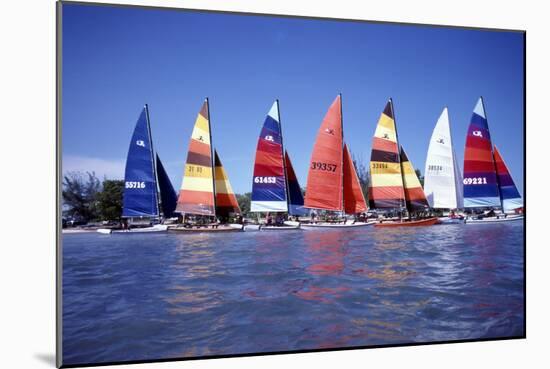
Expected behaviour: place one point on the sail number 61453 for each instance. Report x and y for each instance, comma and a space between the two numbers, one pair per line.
265, 180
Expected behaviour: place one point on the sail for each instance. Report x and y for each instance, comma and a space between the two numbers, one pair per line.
269, 181
196, 195
140, 198
442, 187
414, 194
168, 196
386, 181
354, 200
296, 199
509, 194
325, 176
480, 178
226, 201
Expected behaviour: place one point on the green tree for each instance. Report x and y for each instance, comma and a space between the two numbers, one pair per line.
110, 200
420, 177
79, 194
244, 202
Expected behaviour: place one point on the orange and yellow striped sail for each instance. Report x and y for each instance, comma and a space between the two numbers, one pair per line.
414, 194
386, 181
226, 201
196, 195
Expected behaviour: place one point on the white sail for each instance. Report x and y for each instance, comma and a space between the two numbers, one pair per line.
442, 179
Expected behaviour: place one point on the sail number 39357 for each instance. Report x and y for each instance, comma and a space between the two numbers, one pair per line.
130, 184
323, 166
475, 181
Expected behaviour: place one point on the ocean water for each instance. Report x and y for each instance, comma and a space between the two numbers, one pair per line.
156, 296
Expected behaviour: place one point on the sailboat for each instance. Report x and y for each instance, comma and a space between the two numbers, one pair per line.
332, 181
484, 177
205, 190
393, 182
442, 179
275, 188
140, 196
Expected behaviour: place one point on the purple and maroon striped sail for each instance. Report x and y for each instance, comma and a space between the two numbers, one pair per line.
480, 177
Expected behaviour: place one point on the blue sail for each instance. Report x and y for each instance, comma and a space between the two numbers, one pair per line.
168, 196
296, 199
140, 197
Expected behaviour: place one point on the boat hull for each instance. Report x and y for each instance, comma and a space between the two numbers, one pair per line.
335, 225
447, 220
155, 228
412, 223
288, 226
494, 219
219, 229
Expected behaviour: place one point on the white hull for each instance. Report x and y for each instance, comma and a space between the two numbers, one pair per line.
336, 225
447, 220
155, 228
500, 219
288, 226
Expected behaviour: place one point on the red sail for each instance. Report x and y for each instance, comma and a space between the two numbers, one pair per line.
354, 200
325, 177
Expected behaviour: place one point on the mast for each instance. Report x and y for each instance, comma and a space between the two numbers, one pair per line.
212, 166
287, 195
153, 163
342, 159
399, 158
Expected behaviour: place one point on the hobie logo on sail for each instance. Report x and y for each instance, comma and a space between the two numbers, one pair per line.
477, 133
140, 143
440, 141
269, 138
330, 131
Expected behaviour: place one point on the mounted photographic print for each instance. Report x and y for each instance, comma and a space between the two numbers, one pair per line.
242, 184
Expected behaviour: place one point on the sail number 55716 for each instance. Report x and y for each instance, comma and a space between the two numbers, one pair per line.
323, 166
130, 184
475, 181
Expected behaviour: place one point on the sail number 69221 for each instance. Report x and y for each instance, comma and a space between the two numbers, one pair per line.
475, 181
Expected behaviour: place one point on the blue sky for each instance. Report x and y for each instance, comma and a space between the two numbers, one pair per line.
117, 59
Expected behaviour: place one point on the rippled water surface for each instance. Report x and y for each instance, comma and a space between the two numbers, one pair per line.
153, 296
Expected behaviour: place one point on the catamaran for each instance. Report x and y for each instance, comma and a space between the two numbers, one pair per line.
275, 188
487, 181
394, 184
332, 181
442, 179
205, 190
141, 199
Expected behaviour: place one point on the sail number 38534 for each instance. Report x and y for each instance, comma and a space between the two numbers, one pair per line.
131, 184
475, 181
323, 166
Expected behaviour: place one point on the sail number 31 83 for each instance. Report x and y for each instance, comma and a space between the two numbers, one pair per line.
323, 166
475, 181
130, 184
